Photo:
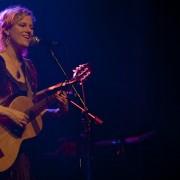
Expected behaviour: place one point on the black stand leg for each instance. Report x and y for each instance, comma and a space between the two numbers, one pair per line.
86, 150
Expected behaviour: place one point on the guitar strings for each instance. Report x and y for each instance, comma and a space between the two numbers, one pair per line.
28, 111
4, 132
51, 99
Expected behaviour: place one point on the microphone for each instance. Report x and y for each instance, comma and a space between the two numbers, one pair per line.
35, 41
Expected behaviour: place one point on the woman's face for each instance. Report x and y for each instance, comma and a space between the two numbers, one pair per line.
21, 33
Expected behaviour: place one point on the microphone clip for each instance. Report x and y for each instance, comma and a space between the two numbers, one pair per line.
36, 40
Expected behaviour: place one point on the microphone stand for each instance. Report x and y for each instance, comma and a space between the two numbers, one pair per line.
87, 155
85, 168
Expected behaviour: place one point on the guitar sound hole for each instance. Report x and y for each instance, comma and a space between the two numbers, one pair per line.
17, 131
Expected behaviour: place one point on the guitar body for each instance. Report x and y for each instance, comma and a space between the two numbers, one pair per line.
10, 142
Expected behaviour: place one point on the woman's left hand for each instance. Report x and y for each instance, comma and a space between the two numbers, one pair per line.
61, 96
63, 107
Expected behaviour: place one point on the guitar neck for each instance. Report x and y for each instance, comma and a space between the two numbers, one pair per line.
80, 74
38, 107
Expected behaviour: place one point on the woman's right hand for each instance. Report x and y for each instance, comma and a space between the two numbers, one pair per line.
18, 117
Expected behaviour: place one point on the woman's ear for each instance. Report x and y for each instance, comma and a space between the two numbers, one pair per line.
6, 31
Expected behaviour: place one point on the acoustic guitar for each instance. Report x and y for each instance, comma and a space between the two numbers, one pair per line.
12, 136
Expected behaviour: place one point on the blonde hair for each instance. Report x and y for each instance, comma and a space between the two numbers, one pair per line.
10, 16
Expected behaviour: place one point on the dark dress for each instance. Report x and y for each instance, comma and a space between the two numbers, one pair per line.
9, 89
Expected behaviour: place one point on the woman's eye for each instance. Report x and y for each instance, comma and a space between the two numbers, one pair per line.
22, 25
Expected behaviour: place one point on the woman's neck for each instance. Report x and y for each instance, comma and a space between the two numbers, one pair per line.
14, 54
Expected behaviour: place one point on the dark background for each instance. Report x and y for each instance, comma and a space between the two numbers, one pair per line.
133, 49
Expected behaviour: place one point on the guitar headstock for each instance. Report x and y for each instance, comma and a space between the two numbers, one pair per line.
81, 72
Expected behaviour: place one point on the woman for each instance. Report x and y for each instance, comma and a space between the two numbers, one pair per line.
18, 77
